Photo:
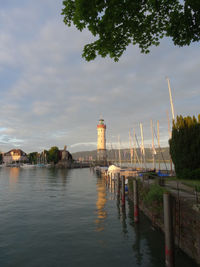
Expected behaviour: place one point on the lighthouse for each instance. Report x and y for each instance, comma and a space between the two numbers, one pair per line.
101, 142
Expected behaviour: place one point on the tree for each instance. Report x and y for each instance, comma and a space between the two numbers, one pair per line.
53, 155
32, 157
185, 147
118, 23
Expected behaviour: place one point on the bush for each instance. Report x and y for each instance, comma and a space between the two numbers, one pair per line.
154, 198
189, 174
185, 147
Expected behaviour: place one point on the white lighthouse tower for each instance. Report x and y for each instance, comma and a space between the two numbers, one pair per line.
101, 142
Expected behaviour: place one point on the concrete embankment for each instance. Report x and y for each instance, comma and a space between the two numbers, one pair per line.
185, 213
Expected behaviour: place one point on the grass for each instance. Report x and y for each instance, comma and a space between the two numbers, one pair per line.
192, 183
154, 198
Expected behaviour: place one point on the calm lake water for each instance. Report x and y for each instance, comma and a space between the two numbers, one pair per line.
69, 218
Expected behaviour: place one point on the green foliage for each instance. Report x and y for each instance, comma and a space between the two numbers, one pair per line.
185, 147
154, 198
53, 155
32, 157
143, 190
116, 23
150, 175
1, 158
190, 174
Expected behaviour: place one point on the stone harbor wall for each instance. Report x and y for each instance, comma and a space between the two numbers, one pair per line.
186, 222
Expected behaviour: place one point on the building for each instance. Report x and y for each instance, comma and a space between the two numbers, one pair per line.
101, 143
65, 158
14, 156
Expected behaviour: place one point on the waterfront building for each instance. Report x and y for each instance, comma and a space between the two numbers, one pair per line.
101, 142
65, 158
14, 156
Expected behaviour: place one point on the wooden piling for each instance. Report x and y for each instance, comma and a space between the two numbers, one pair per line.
123, 190
135, 201
118, 184
114, 182
168, 226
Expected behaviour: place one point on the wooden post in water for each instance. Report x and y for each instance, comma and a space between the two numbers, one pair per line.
114, 183
168, 226
135, 201
118, 184
123, 190
111, 181
107, 179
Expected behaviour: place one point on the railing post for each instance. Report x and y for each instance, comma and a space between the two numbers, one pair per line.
135, 201
168, 224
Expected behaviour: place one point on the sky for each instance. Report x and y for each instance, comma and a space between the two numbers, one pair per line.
50, 96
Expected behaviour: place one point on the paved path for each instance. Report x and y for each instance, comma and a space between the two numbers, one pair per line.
179, 189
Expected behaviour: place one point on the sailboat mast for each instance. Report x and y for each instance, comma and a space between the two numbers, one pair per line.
170, 136
131, 151
120, 161
153, 147
171, 102
142, 145
158, 135
134, 147
135, 150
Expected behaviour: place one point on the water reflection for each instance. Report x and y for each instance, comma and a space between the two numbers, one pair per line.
13, 177
144, 236
100, 204
58, 176
122, 216
137, 244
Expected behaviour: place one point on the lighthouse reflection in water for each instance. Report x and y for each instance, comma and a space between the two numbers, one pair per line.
59, 217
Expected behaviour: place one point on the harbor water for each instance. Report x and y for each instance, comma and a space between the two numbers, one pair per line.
59, 217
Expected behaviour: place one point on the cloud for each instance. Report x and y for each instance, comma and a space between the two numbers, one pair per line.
51, 96
87, 144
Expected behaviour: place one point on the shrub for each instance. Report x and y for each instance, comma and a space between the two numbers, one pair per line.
185, 147
154, 198
189, 174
